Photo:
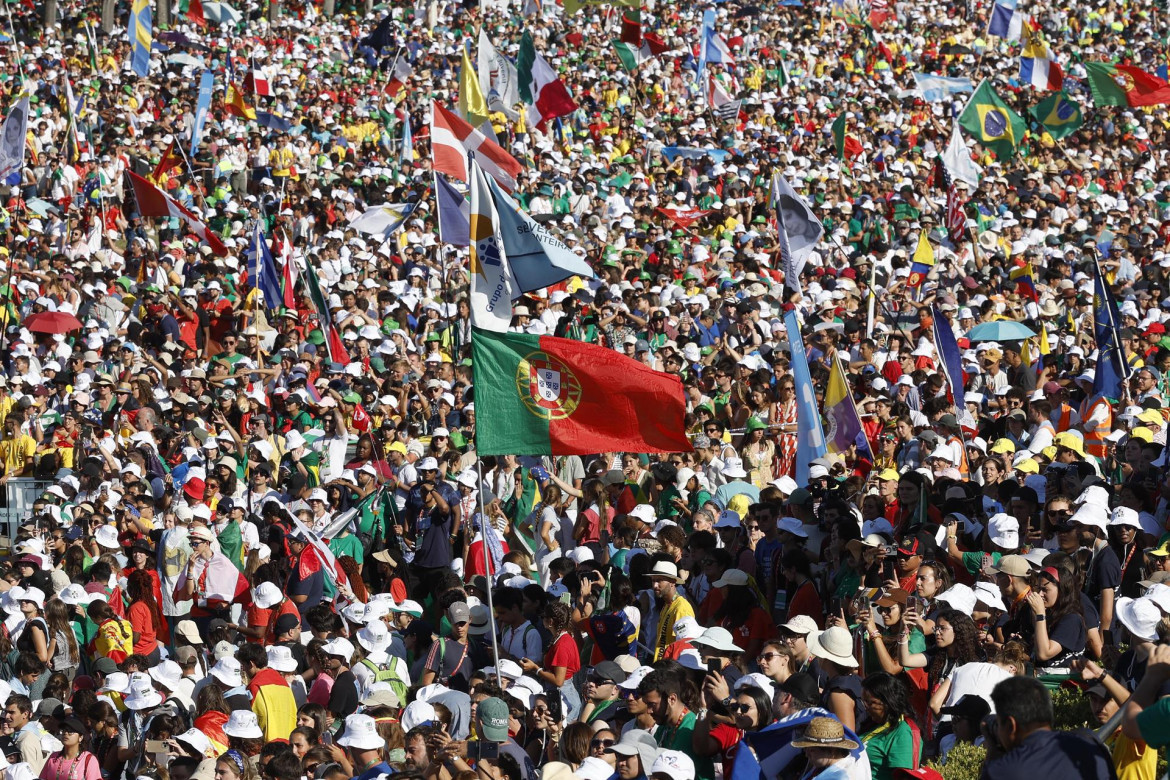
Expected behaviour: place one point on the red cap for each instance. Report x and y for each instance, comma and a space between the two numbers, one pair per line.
1051, 387
1156, 327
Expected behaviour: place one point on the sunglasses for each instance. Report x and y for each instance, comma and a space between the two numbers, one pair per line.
768, 656
740, 708
600, 681
602, 743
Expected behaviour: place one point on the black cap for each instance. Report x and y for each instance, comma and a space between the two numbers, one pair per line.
74, 725
608, 670
286, 623
9, 746
801, 686
971, 706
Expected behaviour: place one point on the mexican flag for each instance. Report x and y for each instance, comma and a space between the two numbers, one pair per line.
632, 56
1125, 85
539, 85
539, 395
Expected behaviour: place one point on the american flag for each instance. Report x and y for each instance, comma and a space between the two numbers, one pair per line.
956, 211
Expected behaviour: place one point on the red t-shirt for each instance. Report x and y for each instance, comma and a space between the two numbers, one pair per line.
142, 624
806, 602
564, 653
759, 625
728, 737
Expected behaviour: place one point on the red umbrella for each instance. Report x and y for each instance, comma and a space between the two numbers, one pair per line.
52, 322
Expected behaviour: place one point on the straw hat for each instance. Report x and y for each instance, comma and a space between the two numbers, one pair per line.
826, 733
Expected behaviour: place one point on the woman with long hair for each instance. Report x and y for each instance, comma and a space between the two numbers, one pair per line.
1060, 633
785, 420
563, 659
890, 738
211, 714
933, 579
62, 641
597, 517
142, 558
73, 761
35, 637
546, 524
721, 731
956, 642
758, 452
144, 614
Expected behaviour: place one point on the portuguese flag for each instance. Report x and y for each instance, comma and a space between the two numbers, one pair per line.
538, 395
1125, 85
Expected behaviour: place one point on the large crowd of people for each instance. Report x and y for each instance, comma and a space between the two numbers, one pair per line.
254, 537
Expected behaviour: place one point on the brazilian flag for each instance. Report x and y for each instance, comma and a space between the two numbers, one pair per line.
990, 122
1060, 115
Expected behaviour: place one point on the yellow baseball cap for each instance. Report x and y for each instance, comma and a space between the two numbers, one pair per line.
889, 475
1003, 446
1144, 434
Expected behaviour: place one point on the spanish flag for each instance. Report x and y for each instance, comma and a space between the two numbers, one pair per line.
234, 103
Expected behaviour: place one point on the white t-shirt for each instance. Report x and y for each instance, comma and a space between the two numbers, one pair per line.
976, 678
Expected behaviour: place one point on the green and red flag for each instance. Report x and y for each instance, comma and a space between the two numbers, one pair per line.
539, 395
1125, 85
846, 146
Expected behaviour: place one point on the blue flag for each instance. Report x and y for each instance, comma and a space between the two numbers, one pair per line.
948, 350
1110, 366
708, 25
454, 213
810, 439
766, 753
206, 84
262, 270
272, 121
141, 33
694, 153
537, 258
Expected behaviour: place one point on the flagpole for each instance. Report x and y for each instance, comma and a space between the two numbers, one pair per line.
487, 564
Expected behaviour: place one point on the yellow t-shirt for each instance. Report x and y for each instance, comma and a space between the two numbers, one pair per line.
16, 452
1134, 760
678, 609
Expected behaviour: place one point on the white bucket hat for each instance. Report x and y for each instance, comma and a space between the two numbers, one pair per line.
281, 658
227, 671
243, 725
142, 694
1140, 617
361, 732
834, 644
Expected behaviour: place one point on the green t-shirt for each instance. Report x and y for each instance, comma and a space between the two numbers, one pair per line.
683, 739
1154, 723
889, 748
348, 545
973, 562
916, 644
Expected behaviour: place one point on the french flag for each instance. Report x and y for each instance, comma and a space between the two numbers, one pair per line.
718, 52
1041, 73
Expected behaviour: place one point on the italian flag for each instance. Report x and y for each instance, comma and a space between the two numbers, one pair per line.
539, 85
540, 395
632, 56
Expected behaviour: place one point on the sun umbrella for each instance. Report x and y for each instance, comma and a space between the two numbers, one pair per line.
222, 13
52, 322
185, 59
1001, 330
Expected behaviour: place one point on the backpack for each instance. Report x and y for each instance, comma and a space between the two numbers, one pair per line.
388, 674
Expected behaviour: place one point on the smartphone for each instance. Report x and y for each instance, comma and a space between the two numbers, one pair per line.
713, 666
485, 750
156, 746
327, 738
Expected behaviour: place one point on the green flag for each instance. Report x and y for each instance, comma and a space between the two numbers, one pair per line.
1059, 114
990, 122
